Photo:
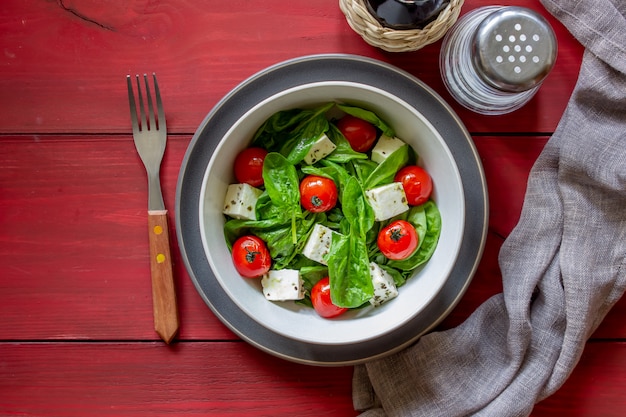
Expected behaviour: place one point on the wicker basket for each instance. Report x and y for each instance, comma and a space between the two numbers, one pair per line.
392, 40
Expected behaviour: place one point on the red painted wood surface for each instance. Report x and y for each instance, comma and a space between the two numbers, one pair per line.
200, 50
152, 379
76, 335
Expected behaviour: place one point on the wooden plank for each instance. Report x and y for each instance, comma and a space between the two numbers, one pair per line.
64, 63
75, 251
74, 243
152, 379
98, 379
594, 386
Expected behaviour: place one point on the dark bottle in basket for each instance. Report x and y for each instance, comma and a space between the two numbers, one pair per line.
406, 14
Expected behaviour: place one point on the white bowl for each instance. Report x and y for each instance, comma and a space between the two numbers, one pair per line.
293, 320
421, 117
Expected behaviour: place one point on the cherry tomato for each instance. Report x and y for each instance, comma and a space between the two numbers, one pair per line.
320, 297
251, 256
417, 184
360, 134
318, 194
398, 240
249, 166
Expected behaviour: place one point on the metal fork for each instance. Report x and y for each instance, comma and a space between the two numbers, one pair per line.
150, 135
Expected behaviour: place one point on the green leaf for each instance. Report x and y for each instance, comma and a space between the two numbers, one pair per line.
348, 270
385, 171
348, 260
344, 152
369, 117
429, 242
355, 207
417, 217
290, 130
307, 134
363, 169
281, 182
276, 130
283, 187
398, 278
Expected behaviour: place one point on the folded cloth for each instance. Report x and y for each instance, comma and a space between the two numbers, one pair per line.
563, 266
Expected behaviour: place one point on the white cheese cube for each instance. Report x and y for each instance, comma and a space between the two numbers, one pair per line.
241, 200
283, 285
318, 245
385, 147
320, 149
384, 286
387, 200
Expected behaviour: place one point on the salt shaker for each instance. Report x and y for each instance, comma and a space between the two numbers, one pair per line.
495, 58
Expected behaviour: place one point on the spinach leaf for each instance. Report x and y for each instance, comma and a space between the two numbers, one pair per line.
363, 169
348, 269
277, 234
328, 172
355, 207
283, 187
417, 217
334, 218
398, 277
308, 131
368, 116
338, 173
235, 228
290, 130
311, 274
348, 261
281, 182
306, 137
386, 170
280, 242
344, 152
276, 130
429, 242
265, 209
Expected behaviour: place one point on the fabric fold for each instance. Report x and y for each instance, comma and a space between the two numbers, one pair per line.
563, 266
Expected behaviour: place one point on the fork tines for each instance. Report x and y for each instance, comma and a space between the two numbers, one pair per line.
152, 122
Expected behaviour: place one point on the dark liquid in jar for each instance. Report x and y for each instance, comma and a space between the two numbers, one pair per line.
398, 14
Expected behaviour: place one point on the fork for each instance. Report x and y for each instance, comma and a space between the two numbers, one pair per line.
150, 136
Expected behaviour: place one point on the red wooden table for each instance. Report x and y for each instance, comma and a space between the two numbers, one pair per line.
76, 333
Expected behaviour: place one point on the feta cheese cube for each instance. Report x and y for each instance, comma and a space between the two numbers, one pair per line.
385, 147
240, 201
387, 200
320, 149
384, 285
283, 285
318, 244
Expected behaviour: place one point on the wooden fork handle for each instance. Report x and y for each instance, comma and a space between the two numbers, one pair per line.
165, 310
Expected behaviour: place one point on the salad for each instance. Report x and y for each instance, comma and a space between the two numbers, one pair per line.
330, 212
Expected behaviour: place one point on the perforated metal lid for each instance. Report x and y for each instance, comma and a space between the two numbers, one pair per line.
514, 49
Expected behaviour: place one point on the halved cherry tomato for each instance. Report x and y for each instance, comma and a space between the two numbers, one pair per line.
320, 297
318, 194
360, 134
251, 257
249, 166
417, 184
397, 240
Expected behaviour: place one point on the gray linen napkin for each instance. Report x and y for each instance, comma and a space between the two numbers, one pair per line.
563, 266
